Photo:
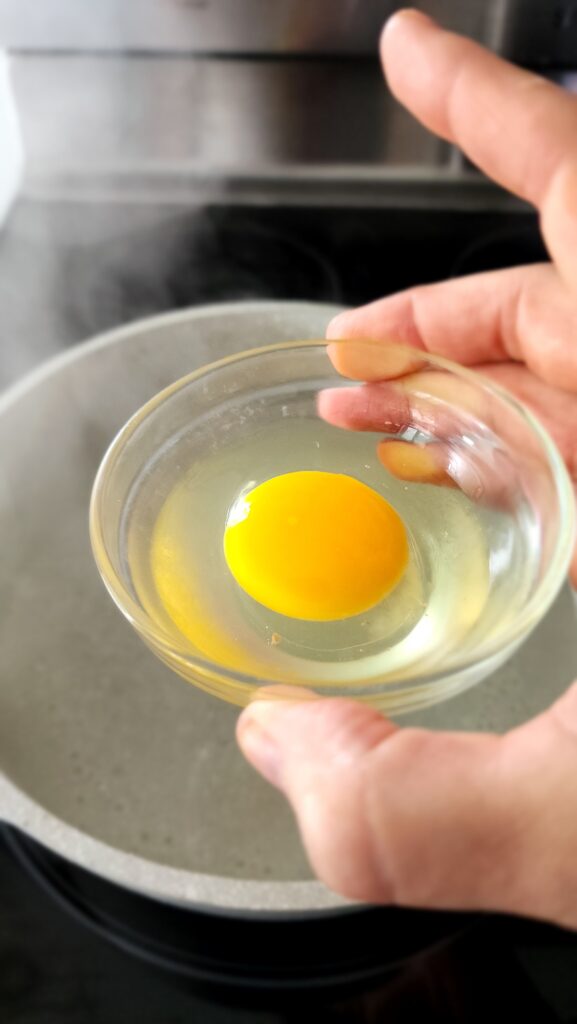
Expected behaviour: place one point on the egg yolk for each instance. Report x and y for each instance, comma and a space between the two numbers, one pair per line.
315, 546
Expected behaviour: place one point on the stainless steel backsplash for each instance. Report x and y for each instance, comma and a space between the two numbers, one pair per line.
536, 32
197, 99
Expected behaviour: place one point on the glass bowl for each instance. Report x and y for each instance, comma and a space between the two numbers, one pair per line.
480, 488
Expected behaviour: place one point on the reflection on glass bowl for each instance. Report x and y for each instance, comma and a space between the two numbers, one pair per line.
479, 489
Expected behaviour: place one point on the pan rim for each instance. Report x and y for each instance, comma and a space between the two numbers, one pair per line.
179, 886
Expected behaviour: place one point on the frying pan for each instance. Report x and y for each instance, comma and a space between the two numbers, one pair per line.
106, 759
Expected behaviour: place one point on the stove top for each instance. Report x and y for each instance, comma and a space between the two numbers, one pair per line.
70, 270
55, 970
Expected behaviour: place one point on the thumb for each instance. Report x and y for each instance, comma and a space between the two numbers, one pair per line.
429, 819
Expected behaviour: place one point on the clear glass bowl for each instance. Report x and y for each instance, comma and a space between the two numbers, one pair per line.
483, 493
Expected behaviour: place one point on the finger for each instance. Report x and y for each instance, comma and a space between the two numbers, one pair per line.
493, 475
559, 222
430, 400
381, 407
492, 484
524, 314
372, 407
426, 819
446, 409
556, 409
493, 481
517, 127
419, 464
514, 124
367, 359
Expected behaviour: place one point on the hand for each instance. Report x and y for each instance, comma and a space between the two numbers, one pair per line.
517, 326
445, 820
400, 389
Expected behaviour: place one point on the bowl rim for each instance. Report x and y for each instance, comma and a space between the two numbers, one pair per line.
520, 627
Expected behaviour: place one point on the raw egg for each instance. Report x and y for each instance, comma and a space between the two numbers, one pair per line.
314, 545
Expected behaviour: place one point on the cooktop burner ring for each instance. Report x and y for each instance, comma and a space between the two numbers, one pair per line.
101, 907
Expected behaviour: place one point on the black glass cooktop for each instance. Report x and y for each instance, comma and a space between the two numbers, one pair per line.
55, 970
68, 271
71, 270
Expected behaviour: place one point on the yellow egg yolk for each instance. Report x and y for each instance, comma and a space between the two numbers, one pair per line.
317, 546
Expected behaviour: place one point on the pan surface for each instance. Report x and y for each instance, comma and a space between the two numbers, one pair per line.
106, 757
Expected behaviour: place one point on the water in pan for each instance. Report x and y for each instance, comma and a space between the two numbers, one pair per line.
92, 725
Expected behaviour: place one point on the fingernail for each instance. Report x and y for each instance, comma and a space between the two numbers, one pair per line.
334, 409
417, 463
337, 326
407, 14
261, 750
367, 359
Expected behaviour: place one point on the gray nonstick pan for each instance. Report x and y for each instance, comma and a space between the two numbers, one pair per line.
110, 764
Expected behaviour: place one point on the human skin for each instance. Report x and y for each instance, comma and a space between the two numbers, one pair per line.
451, 820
